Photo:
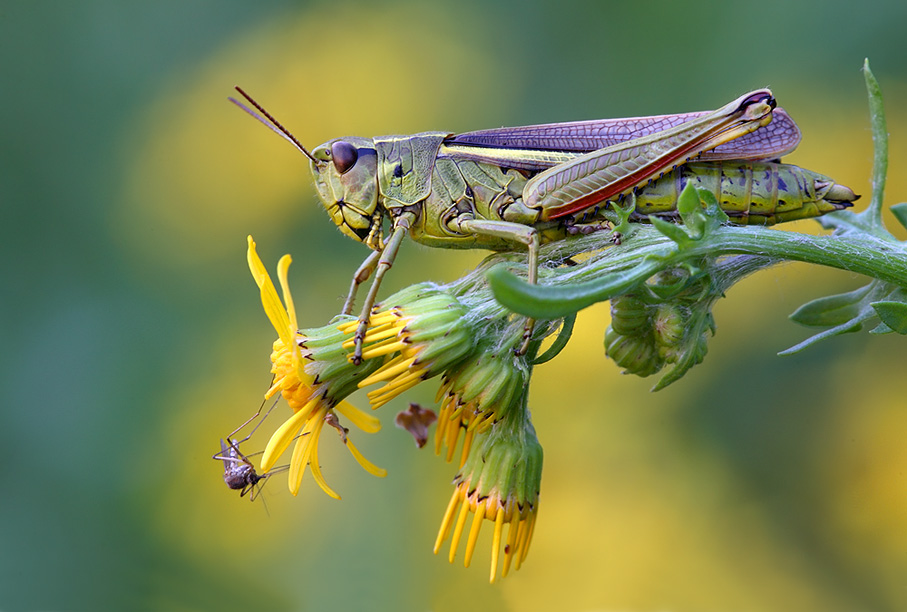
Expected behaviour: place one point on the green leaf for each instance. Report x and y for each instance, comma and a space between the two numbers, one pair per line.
560, 342
831, 310
893, 314
545, 302
900, 213
712, 207
854, 325
623, 226
880, 329
880, 145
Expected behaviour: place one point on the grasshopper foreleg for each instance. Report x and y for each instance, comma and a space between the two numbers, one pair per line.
515, 232
385, 260
361, 275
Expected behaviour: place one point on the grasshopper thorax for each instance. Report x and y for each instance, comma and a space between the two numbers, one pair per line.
346, 176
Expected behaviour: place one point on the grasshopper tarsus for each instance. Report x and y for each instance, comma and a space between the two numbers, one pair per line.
358, 339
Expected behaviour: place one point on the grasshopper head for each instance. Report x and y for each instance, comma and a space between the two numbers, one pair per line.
346, 176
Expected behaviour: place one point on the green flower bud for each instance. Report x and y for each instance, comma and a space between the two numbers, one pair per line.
636, 354
629, 315
668, 325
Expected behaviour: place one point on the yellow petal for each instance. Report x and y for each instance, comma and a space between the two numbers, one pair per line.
306, 444
297, 463
390, 369
360, 419
447, 521
458, 530
273, 307
316, 472
283, 266
281, 438
367, 465
496, 543
510, 546
474, 533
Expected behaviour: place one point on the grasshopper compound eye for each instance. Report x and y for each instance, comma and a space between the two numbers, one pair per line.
344, 156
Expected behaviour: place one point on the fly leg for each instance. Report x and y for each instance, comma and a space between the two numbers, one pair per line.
402, 223
361, 275
515, 232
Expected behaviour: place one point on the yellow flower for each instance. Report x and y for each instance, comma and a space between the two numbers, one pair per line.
311, 372
500, 483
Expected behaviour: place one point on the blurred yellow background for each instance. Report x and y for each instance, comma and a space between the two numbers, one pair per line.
133, 337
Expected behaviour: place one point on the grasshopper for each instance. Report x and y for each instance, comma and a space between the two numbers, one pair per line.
509, 188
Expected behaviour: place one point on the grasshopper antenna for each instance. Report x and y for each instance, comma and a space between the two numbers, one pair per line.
270, 122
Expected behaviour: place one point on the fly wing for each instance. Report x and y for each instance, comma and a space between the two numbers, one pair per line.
778, 138
227, 455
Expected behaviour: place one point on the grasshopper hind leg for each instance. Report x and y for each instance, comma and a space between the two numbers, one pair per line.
515, 232
362, 274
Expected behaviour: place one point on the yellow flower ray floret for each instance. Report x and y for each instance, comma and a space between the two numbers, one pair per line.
519, 535
273, 307
280, 439
359, 418
302, 453
283, 319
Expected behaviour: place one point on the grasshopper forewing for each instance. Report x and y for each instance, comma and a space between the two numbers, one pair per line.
500, 189
563, 141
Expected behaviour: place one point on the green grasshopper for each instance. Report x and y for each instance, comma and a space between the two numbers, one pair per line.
520, 187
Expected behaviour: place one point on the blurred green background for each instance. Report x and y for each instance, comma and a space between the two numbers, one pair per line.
133, 338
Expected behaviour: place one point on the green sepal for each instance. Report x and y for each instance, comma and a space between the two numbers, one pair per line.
637, 355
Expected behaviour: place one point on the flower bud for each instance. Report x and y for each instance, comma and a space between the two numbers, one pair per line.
499, 482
